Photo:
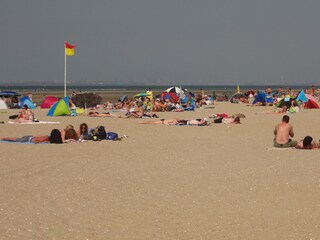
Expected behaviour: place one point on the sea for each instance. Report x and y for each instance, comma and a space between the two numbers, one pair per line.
143, 88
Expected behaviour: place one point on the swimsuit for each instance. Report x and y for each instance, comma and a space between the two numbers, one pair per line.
23, 139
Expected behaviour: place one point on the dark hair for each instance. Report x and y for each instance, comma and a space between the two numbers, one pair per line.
83, 125
100, 132
25, 106
55, 136
307, 141
285, 118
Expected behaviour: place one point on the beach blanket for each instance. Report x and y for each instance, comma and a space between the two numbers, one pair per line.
40, 122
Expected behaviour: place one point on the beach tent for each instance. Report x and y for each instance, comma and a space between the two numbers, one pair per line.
49, 101
178, 91
60, 108
309, 101
172, 96
140, 95
287, 101
26, 101
236, 97
3, 105
261, 97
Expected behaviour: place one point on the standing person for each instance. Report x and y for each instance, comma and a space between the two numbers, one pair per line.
150, 94
283, 131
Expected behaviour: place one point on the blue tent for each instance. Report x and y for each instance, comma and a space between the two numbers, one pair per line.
26, 101
302, 97
60, 108
263, 98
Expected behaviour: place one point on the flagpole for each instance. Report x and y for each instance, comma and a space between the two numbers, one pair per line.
65, 72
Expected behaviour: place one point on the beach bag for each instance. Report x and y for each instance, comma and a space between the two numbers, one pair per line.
112, 136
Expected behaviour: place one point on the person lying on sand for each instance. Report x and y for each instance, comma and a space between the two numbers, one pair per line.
177, 121
227, 120
55, 137
307, 143
96, 114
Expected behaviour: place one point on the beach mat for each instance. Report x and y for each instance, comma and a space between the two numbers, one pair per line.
281, 149
40, 122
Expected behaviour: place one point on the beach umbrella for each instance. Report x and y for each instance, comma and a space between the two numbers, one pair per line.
180, 93
84, 100
124, 97
140, 95
235, 97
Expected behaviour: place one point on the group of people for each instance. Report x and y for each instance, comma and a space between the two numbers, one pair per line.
66, 135
195, 122
283, 137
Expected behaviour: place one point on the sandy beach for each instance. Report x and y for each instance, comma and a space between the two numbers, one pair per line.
162, 182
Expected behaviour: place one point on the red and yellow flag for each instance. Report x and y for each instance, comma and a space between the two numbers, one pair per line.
69, 49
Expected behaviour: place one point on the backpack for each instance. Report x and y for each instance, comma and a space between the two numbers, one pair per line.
111, 136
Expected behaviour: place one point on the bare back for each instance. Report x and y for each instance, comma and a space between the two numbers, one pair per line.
283, 132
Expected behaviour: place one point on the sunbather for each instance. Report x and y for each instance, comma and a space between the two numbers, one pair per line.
306, 143
177, 121
55, 137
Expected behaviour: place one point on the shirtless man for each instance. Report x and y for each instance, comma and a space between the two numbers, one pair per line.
283, 131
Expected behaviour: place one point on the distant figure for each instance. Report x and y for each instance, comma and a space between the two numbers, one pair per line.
150, 94
177, 121
283, 131
311, 92
30, 96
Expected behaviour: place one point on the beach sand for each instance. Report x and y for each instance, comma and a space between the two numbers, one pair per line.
162, 182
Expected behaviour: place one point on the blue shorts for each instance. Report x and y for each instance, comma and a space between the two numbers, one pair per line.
23, 139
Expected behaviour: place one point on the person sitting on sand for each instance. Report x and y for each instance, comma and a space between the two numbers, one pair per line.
25, 115
177, 121
55, 137
283, 131
307, 143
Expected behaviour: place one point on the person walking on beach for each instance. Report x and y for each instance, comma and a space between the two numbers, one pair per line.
283, 131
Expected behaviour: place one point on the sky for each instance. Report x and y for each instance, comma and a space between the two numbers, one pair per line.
160, 42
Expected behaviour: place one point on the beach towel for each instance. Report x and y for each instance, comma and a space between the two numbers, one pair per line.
8, 141
275, 148
40, 122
